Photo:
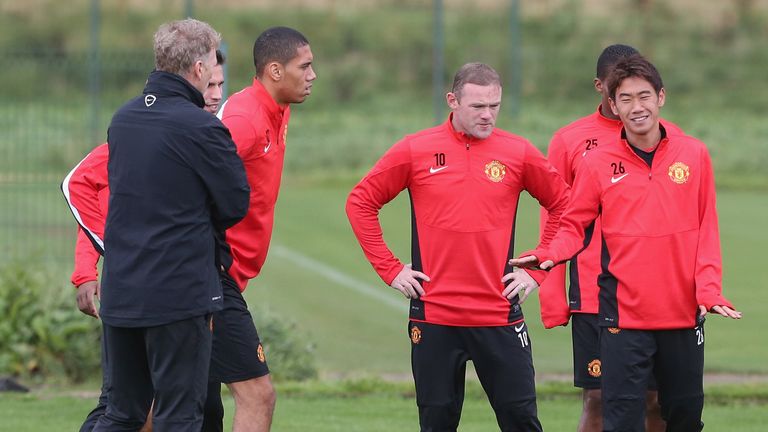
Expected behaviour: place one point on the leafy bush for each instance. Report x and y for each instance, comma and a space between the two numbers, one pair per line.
291, 357
42, 334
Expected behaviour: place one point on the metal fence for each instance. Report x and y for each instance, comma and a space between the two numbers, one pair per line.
56, 116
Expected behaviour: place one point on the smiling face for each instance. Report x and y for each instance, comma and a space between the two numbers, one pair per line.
213, 93
295, 77
475, 109
637, 104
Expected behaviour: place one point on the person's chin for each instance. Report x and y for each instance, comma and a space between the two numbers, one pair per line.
483, 133
641, 129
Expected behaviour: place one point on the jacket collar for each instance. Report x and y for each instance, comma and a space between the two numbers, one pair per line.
662, 142
267, 101
169, 84
461, 137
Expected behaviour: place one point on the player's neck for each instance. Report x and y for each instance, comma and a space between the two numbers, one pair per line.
272, 89
605, 110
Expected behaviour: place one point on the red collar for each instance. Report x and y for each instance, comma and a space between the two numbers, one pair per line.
460, 136
662, 142
267, 101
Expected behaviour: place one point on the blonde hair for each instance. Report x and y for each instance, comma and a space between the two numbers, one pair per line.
180, 44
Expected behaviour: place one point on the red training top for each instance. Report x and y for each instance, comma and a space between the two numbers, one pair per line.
86, 190
464, 194
258, 126
661, 246
568, 147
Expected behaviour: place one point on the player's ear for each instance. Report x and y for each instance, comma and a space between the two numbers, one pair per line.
662, 97
598, 85
275, 71
614, 110
452, 100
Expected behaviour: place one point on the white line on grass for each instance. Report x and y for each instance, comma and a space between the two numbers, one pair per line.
337, 276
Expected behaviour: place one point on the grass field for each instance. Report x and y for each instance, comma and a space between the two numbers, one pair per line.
374, 406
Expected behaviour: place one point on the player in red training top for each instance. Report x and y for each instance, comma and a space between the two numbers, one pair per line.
568, 147
660, 258
464, 178
257, 118
86, 188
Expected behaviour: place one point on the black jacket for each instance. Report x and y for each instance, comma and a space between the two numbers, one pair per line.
175, 180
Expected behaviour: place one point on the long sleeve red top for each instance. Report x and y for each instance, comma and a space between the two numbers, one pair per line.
660, 242
259, 126
568, 147
464, 195
86, 190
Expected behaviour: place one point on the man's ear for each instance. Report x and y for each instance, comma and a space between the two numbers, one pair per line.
197, 69
275, 71
662, 97
452, 100
598, 86
613, 107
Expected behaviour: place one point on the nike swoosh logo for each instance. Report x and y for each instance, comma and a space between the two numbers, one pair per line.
617, 179
269, 141
520, 328
433, 170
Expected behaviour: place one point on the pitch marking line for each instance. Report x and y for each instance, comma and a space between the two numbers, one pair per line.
337, 276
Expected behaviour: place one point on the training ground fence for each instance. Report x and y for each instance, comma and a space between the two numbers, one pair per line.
56, 109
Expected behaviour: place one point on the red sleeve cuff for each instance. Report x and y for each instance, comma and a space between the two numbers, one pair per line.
715, 300
78, 280
537, 275
389, 276
552, 320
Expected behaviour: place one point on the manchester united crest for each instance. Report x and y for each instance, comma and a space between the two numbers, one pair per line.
495, 171
260, 354
594, 368
679, 172
614, 330
415, 334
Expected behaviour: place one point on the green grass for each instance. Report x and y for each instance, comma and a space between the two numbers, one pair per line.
371, 406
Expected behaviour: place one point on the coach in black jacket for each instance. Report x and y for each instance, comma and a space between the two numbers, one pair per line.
175, 181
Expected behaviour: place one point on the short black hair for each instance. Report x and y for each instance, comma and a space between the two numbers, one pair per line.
610, 55
220, 58
276, 44
633, 66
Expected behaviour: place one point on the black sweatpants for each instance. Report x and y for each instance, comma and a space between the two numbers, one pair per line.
631, 357
213, 412
168, 363
504, 365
